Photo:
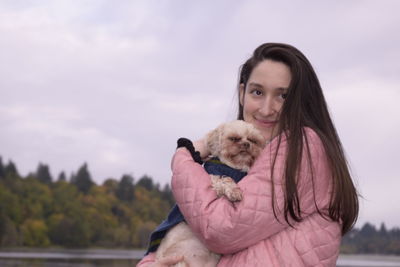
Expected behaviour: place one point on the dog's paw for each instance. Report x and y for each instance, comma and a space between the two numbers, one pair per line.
234, 194
231, 189
226, 186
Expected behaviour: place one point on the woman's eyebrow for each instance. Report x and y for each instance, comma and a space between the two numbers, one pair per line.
255, 84
282, 89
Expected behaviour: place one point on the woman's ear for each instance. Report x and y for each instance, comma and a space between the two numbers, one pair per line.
241, 93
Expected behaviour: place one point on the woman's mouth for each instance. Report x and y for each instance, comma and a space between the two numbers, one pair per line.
266, 123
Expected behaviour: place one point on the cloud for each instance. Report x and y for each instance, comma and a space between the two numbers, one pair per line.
364, 108
60, 137
116, 84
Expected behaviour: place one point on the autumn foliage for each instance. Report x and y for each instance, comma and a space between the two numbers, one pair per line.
36, 211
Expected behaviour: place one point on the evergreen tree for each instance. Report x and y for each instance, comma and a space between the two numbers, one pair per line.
368, 230
125, 188
62, 177
43, 174
82, 180
11, 169
2, 171
146, 182
382, 231
72, 178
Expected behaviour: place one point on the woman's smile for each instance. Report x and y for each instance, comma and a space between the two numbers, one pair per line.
266, 123
263, 96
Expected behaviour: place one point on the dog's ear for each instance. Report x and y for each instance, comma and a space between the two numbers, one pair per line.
212, 140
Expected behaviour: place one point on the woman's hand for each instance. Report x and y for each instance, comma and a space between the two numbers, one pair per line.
168, 261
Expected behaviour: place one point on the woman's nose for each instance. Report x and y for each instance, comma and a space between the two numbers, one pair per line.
266, 108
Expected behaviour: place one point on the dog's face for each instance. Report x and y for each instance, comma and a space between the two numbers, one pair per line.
236, 143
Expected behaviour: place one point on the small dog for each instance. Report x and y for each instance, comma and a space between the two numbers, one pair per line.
235, 144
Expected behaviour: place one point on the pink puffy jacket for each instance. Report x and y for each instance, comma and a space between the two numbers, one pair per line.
247, 232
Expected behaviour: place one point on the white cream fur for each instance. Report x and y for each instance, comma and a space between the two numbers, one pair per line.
237, 144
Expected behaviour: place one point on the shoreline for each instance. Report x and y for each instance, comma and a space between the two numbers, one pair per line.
71, 253
56, 253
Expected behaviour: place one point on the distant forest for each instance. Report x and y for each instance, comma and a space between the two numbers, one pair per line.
369, 240
41, 211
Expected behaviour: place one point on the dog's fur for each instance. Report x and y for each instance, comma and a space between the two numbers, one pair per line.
237, 144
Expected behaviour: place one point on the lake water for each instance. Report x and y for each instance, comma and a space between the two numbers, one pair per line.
69, 257
368, 260
125, 258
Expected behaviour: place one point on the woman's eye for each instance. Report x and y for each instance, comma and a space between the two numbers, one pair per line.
283, 96
256, 92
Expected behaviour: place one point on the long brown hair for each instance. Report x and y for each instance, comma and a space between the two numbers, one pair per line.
305, 106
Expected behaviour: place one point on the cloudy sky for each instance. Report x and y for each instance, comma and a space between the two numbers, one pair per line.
115, 83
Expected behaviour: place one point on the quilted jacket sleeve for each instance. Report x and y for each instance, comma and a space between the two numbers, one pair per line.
227, 227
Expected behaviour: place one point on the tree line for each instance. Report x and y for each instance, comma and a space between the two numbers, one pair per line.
370, 240
40, 211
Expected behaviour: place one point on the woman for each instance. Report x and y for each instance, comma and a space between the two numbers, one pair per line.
298, 198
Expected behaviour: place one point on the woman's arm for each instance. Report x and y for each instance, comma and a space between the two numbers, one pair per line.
227, 227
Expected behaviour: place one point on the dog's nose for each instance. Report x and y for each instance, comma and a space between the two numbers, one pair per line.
246, 145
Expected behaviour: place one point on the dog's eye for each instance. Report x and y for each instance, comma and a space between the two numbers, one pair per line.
234, 139
254, 141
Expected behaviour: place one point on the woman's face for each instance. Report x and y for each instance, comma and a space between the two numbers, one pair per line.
263, 96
